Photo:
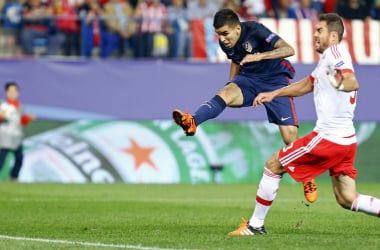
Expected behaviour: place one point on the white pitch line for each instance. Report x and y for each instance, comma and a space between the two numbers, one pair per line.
81, 243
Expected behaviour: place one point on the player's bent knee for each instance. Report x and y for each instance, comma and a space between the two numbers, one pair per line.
231, 94
290, 138
289, 133
274, 165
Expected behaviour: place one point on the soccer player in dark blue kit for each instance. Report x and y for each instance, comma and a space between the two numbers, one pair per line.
257, 65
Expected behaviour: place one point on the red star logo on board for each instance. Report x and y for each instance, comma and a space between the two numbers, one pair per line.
141, 154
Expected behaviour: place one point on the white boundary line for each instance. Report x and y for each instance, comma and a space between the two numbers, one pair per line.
81, 243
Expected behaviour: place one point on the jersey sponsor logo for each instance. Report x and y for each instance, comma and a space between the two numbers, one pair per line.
247, 46
285, 118
270, 37
291, 169
353, 98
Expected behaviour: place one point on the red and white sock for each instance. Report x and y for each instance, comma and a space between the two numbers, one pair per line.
366, 204
266, 193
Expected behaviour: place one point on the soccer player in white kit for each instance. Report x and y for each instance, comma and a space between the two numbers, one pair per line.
332, 144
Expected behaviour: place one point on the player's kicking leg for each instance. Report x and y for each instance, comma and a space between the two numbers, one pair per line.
206, 111
229, 95
347, 196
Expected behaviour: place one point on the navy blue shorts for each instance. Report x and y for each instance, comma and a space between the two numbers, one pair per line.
281, 110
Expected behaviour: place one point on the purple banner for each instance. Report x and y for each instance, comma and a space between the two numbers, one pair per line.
143, 90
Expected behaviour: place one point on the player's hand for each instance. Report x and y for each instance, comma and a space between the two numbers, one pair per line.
251, 58
263, 98
336, 79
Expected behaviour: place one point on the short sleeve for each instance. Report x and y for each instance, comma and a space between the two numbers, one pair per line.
266, 35
340, 58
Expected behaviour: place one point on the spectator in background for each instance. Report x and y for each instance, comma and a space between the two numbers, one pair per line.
119, 26
354, 9
89, 14
376, 9
252, 9
232, 5
11, 16
12, 120
151, 16
2, 3
133, 3
102, 2
201, 9
271, 5
329, 6
11, 26
318, 5
178, 30
75, 4
39, 24
306, 11
283, 9
67, 24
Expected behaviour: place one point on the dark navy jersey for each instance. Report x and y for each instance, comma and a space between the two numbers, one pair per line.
256, 38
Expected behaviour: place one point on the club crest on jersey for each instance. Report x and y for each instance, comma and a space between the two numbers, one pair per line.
248, 47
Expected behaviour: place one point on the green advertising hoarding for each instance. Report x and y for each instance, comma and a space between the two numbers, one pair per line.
159, 152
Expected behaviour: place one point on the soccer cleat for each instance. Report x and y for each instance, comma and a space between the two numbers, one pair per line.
246, 230
310, 191
186, 121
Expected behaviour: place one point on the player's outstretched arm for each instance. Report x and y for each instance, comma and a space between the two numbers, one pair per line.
299, 88
281, 50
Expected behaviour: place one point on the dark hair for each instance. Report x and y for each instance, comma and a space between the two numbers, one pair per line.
225, 17
334, 23
10, 84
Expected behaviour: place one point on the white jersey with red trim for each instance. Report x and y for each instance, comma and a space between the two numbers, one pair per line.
334, 108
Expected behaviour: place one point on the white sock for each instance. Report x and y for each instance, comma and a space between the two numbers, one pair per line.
367, 204
266, 193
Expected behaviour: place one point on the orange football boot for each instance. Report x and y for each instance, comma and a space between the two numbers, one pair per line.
186, 121
310, 190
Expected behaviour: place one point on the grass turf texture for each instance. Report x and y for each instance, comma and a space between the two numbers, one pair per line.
178, 216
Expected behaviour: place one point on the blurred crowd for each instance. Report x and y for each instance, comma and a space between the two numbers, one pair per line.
140, 28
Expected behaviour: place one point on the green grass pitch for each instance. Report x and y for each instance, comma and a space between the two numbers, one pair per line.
176, 217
